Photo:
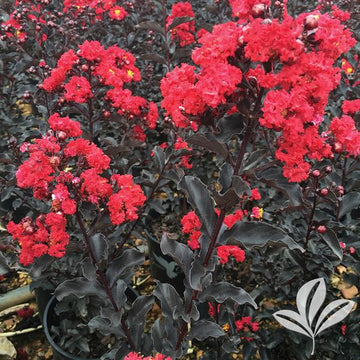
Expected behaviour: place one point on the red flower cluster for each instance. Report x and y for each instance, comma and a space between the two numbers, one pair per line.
246, 324
225, 251
100, 7
346, 134
301, 51
46, 236
14, 26
351, 106
191, 225
100, 67
303, 84
123, 204
78, 89
136, 356
245, 8
67, 172
184, 33
187, 94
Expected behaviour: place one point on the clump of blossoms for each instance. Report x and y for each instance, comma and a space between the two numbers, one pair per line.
65, 170
183, 33
100, 7
293, 62
191, 225
93, 67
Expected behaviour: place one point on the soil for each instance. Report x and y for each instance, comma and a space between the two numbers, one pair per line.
29, 345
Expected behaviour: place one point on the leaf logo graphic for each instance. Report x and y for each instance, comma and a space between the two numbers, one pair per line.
303, 320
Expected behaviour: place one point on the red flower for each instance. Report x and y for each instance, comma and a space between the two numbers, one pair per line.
246, 324
225, 251
184, 33
117, 13
124, 203
65, 124
351, 106
191, 225
78, 89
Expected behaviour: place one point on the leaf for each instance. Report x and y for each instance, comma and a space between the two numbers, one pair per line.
240, 186
171, 303
225, 176
123, 264
276, 179
210, 143
118, 293
105, 327
333, 242
222, 291
137, 316
349, 202
199, 198
151, 25
178, 21
80, 287
334, 318
203, 329
230, 126
181, 253
282, 316
257, 234
159, 157
154, 57
100, 247
226, 200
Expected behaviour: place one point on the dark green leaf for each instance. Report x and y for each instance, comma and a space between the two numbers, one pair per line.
210, 143
222, 291
123, 264
199, 197
151, 25
178, 21
80, 287
181, 253
332, 241
349, 202
100, 247
154, 57
204, 329
137, 316
274, 178
257, 234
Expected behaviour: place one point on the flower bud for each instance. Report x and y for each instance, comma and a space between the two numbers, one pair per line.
321, 229
55, 161
311, 22
315, 173
258, 10
324, 192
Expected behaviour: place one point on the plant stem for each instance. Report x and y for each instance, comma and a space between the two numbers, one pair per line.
102, 276
311, 214
240, 158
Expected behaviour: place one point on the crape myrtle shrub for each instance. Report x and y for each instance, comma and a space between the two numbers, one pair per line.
230, 126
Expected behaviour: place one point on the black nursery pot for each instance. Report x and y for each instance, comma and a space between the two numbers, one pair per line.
49, 319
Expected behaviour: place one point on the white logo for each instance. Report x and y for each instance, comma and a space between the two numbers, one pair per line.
302, 321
